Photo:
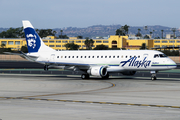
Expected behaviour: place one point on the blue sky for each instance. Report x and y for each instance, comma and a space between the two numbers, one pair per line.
84, 13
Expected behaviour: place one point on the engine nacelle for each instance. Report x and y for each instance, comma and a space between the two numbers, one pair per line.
129, 73
98, 71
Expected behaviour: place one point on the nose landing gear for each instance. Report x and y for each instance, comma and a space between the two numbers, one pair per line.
153, 75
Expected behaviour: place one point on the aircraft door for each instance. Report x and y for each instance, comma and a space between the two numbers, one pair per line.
52, 57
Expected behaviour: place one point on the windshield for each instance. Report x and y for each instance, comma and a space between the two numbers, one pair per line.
162, 55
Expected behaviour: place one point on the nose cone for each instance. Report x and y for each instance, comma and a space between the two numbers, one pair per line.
172, 64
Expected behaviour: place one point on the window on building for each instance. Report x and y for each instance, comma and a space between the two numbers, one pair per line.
45, 41
172, 41
105, 41
72, 41
17, 42
51, 41
10, 43
58, 41
98, 41
156, 41
65, 41
78, 41
164, 41
58, 45
51, 45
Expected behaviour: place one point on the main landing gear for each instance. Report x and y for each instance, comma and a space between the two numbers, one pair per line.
46, 68
85, 76
153, 75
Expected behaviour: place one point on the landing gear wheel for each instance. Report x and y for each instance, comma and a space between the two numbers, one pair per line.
85, 76
153, 78
46, 68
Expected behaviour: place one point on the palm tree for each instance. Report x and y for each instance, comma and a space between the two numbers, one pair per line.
162, 34
173, 30
126, 29
61, 32
89, 43
151, 34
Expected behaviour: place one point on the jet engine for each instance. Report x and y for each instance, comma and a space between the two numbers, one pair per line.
98, 71
129, 73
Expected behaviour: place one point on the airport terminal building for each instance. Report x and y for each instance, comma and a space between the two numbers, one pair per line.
114, 41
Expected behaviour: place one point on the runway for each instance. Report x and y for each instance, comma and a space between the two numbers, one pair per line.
67, 97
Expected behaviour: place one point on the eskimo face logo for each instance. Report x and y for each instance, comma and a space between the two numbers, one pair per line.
31, 40
133, 62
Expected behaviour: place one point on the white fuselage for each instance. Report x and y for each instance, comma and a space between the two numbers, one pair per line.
115, 60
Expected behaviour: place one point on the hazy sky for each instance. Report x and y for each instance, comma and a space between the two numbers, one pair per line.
84, 13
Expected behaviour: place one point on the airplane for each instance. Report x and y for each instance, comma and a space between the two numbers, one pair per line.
94, 62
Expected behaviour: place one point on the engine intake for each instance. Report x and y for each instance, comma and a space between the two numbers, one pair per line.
98, 71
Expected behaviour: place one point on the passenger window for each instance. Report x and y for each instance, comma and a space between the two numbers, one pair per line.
101, 56
65, 56
84, 56
76, 56
72, 56
89, 56
97, 56
61, 56
92, 56
81, 56
105, 56
130, 56
113, 56
69, 56
126, 56
138, 56
57, 56
117, 56
109, 56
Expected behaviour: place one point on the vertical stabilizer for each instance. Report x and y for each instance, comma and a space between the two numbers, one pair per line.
34, 42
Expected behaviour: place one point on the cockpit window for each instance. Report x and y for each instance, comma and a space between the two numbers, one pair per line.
159, 55
162, 55
156, 56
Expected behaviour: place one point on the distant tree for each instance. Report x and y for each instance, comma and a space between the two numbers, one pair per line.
151, 34
12, 33
71, 46
3, 45
126, 28
146, 37
45, 32
61, 33
80, 37
173, 30
63, 37
143, 47
101, 47
139, 34
89, 43
123, 30
162, 33
24, 49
